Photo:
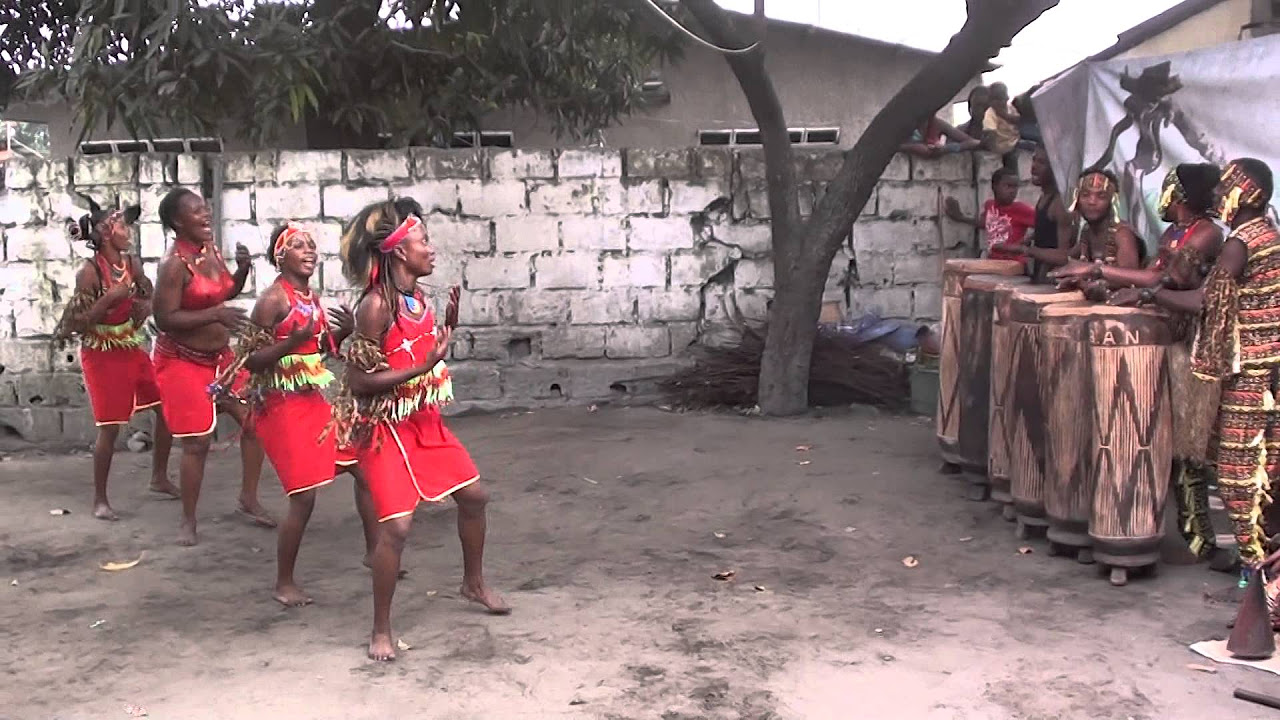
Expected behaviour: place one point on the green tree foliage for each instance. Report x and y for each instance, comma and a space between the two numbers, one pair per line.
350, 69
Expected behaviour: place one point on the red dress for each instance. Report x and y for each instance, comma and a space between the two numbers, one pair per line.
118, 375
414, 457
290, 422
184, 374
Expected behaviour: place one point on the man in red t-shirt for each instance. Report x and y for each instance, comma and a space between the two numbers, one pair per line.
1003, 218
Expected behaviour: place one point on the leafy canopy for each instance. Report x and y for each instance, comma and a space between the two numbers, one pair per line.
410, 68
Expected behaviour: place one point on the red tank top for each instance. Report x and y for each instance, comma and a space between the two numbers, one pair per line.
407, 343
301, 309
203, 292
106, 276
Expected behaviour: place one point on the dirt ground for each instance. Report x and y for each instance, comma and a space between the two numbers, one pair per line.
605, 531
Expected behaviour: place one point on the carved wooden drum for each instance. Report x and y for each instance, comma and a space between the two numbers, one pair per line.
1068, 482
1050, 368
1132, 436
949, 410
1015, 347
974, 387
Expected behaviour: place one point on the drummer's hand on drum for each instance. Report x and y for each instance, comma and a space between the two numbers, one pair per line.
1073, 269
1125, 297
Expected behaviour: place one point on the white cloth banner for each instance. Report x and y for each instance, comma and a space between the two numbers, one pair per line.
1142, 117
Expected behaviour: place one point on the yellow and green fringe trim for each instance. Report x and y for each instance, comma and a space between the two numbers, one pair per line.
74, 321
354, 418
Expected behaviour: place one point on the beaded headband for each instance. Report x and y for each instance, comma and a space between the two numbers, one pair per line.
1172, 192
398, 235
1242, 191
291, 231
1093, 181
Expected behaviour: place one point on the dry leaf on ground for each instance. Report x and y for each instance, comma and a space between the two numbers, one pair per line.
803, 448
1202, 668
966, 538
761, 588
135, 711
118, 566
719, 535
402, 645
1025, 550
910, 561
724, 575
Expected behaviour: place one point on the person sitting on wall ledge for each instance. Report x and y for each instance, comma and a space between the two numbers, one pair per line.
1000, 133
935, 137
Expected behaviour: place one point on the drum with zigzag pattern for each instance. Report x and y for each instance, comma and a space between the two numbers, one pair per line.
949, 403
1132, 436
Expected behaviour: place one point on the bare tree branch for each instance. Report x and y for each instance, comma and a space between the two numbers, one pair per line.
780, 171
991, 25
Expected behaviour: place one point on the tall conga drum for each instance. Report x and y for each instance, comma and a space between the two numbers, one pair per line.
949, 410
978, 309
1050, 342
1069, 478
1015, 343
1132, 435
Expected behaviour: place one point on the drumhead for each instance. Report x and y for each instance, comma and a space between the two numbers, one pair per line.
994, 282
1100, 310
1045, 295
985, 266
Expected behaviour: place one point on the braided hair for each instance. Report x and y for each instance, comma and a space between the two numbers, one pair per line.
86, 228
363, 264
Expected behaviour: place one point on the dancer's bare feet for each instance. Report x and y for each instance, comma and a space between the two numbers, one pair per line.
381, 648
256, 514
163, 489
291, 596
492, 602
399, 576
187, 534
103, 511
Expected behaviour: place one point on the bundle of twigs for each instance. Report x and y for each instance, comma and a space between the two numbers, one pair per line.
842, 371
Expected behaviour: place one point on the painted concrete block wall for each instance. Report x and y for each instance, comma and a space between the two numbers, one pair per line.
587, 274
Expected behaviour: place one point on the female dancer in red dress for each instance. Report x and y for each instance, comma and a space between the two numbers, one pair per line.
395, 384
284, 351
195, 328
112, 300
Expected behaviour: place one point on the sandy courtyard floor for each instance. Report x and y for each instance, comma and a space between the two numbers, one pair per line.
605, 531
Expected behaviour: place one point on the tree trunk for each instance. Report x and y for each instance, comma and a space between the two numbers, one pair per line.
788, 347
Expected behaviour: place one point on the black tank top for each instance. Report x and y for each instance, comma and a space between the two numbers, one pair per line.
1046, 229
1046, 236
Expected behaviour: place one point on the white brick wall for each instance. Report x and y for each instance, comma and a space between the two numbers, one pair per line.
582, 267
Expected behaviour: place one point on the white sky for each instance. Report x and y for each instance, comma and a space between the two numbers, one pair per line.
1062, 36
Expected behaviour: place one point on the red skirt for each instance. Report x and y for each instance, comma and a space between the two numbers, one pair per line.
416, 460
290, 426
184, 391
120, 382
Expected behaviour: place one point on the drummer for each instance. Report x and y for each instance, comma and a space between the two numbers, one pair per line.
1103, 238
1237, 344
1187, 249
